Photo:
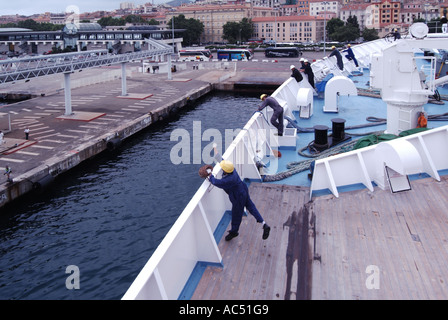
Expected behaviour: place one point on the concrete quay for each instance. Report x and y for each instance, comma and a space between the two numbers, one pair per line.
101, 117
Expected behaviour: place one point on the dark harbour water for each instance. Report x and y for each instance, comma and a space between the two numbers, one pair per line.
107, 216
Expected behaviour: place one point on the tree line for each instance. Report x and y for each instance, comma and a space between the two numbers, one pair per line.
341, 31
105, 21
33, 25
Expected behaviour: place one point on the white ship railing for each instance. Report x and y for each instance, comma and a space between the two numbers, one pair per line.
363, 53
422, 152
191, 238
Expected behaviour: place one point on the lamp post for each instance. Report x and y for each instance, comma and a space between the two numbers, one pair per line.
170, 75
426, 12
275, 27
325, 25
172, 28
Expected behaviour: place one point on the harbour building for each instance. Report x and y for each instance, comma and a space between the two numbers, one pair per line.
289, 28
85, 36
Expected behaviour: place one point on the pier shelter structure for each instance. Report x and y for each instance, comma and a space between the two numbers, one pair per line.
27, 68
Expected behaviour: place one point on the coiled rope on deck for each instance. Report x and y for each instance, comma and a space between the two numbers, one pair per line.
296, 167
300, 166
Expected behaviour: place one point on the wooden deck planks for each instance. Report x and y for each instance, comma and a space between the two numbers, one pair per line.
266, 279
357, 245
392, 282
430, 233
401, 256
405, 235
414, 250
255, 269
262, 281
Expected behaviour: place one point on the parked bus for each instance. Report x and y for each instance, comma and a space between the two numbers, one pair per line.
193, 55
234, 54
207, 52
280, 52
255, 41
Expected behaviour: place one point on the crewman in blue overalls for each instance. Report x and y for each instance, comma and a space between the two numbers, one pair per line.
238, 193
350, 55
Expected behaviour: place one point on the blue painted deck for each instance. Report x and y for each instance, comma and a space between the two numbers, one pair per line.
355, 110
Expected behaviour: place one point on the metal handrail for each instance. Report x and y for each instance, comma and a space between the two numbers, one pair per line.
31, 67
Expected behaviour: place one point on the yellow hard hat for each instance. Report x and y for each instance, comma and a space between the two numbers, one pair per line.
227, 166
333, 47
263, 95
349, 45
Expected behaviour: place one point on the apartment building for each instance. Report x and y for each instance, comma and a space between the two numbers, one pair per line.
362, 13
388, 11
407, 15
214, 17
302, 8
289, 28
58, 18
318, 6
126, 5
294, 24
268, 3
421, 10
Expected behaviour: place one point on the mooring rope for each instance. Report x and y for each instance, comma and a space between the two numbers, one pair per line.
295, 167
300, 166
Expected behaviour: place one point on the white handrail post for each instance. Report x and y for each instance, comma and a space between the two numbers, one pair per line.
123, 79
68, 94
218, 256
160, 285
170, 74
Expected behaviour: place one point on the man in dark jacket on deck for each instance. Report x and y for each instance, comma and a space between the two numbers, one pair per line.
309, 72
277, 117
238, 193
338, 56
397, 35
296, 74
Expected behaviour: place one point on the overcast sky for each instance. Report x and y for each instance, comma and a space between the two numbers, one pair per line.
29, 7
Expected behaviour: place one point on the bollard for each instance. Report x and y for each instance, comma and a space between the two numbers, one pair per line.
43, 183
113, 144
320, 137
338, 129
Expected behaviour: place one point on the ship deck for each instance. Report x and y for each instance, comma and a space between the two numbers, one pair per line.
362, 245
